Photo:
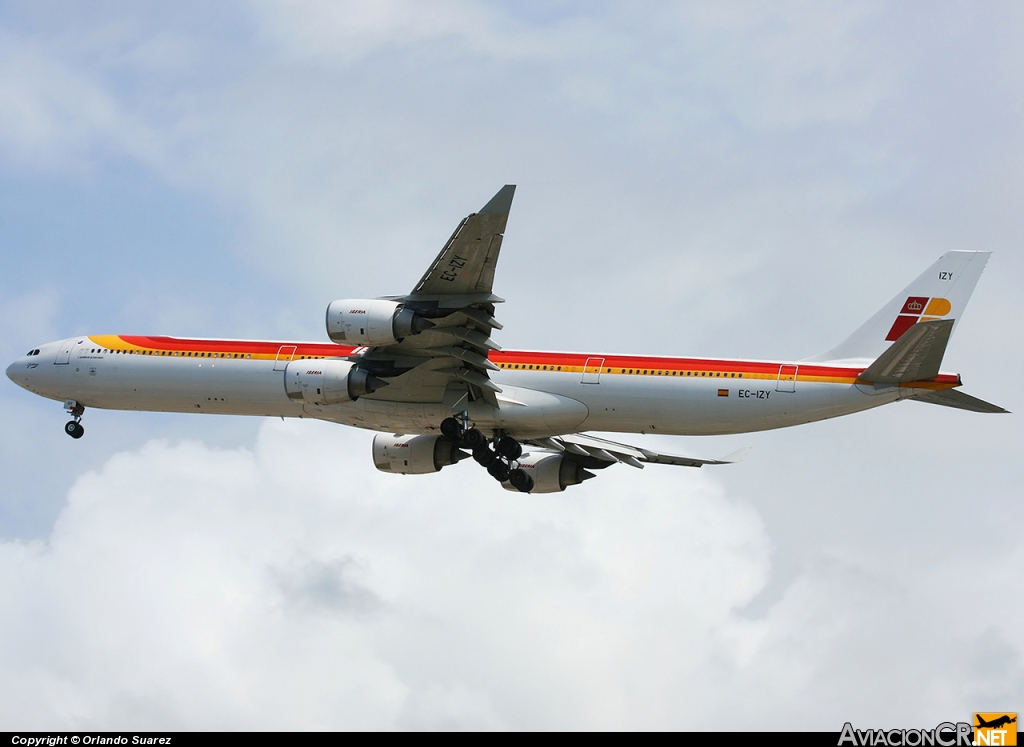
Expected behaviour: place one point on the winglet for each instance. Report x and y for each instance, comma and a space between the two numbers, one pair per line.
501, 203
736, 456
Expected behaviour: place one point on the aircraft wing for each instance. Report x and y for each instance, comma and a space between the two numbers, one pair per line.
448, 362
603, 450
466, 264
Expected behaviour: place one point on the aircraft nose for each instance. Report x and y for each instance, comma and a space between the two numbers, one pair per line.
18, 373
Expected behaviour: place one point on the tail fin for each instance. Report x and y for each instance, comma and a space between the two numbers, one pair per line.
941, 292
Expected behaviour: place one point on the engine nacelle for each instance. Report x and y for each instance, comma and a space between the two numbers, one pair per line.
363, 321
551, 473
414, 455
327, 382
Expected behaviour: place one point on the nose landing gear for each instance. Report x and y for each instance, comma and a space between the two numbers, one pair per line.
74, 427
499, 461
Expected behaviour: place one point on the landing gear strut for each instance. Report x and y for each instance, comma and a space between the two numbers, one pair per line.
499, 461
74, 427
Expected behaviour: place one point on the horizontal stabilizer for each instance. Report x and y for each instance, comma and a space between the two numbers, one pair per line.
959, 400
916, 356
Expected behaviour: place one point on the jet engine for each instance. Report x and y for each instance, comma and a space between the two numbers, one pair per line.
361, 321
326, 382
551, 473
414, 455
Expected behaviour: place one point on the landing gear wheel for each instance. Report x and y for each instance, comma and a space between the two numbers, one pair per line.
474, 438
520, 480
74, 429
509, 448
484, 456
498, 470
451, 429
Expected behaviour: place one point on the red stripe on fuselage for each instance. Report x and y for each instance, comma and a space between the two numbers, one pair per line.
512, 357
661, 363
255, 347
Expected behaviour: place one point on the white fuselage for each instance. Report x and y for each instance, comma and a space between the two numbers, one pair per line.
676, 396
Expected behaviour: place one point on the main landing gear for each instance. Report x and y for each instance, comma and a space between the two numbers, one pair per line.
497, 455
74, 427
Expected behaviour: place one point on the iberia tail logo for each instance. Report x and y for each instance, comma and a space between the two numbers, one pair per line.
995, 729
918, 309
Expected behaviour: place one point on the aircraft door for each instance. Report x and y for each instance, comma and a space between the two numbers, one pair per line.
284, 356
64, 354
592, 371
787, 378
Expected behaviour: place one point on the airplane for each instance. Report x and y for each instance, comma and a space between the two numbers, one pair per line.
423, 370
994, 723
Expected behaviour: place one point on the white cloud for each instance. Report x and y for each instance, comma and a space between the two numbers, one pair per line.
291, 586
348, 30
54, 115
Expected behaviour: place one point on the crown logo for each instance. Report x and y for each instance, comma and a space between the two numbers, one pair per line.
915, 306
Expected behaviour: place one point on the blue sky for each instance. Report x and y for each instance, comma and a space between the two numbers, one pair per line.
748, 179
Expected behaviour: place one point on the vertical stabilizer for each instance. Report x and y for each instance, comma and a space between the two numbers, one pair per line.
940, 293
